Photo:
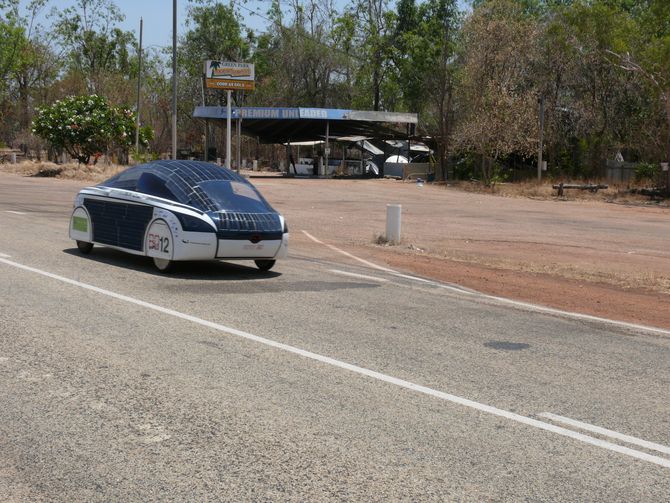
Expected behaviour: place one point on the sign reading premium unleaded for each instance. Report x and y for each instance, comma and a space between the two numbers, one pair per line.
229, 75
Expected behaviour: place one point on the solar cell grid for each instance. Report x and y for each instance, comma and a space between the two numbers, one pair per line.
182, 178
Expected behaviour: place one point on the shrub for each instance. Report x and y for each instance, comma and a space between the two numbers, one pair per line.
646, 172
86, 126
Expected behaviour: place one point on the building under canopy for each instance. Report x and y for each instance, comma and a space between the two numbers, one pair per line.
304, 126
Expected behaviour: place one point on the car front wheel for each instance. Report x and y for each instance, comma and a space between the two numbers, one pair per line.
84, 247
163, 264
265, 265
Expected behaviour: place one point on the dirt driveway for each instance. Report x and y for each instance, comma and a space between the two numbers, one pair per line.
592, 257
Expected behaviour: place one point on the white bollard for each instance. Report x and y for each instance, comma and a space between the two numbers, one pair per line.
393, 223
255, 164
13, 158
218, 161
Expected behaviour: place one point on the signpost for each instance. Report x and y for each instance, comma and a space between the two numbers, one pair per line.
229, 76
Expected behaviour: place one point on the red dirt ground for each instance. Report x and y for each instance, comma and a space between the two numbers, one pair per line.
592, 257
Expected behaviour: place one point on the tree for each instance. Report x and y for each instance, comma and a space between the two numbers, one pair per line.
28, 67
409, 52
648, 54
157, 101
597, 99
85, 126
214, 33
497, 90
11, 37
302, 62
438, 35
372, 86
95, 45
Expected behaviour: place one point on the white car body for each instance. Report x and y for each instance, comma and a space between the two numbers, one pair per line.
167, 230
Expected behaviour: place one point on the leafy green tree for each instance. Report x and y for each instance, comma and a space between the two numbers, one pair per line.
648, 53
28, 68
408, 55
85, 126
215, 32
375, 47
599, 94
432, 80
12, 38
95, 45
343, 38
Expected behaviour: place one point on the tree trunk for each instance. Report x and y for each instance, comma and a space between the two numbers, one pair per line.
445, 132
376, 88
24, 95
666, 97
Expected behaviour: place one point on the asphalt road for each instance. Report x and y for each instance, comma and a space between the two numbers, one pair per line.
322, 380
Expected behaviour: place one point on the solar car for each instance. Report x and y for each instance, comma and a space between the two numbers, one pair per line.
180, 210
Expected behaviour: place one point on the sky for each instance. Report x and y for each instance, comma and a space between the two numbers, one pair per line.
157, 16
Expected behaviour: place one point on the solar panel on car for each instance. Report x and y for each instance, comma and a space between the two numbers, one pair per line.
181, 179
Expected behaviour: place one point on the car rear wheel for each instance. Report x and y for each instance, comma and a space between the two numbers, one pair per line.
84, 247
265, 265
163, 264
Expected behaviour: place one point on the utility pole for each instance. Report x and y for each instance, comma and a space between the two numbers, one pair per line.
539, 153
174, 79
139, 84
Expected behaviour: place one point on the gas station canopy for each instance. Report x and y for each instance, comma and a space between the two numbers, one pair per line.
288, 125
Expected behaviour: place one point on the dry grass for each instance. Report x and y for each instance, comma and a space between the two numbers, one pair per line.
69, 171
532, 190
380, 239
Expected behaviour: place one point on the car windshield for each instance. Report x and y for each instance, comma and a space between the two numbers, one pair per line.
234, 196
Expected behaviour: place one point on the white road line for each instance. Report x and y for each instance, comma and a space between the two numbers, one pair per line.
358, 370
457, 289
361, 276
386, 269
362, 261
502, 300
607, 433
15, 212
4, 255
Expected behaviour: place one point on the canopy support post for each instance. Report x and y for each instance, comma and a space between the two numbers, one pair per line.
327, 149
239, 142
228, 132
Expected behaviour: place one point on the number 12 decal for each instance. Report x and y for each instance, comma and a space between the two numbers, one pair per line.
159, 240
164, 244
